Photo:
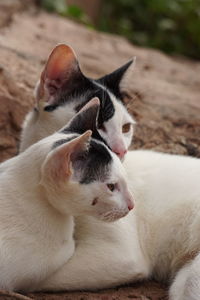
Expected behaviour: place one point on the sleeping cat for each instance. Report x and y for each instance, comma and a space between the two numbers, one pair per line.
63, 89
41, 190
158, 239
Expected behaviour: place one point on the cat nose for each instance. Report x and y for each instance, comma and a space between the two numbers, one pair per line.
121, 153
130, 206
130, 203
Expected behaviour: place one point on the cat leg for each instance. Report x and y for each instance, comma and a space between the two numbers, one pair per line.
96, 266
186, 285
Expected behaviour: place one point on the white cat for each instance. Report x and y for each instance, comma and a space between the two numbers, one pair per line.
63, 89
155, 240
159, 238
41, 190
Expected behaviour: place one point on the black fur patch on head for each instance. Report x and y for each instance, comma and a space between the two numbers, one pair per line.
51, 107
83, 121
95, 165
112, 80
63, 141
77, 86
92, 164
107, 109
83, 90
79, 89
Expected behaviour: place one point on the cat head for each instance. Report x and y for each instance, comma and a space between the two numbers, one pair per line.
81, 176
64, 86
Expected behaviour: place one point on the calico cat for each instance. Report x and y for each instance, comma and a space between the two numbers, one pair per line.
41, 190
63, 89
158, 239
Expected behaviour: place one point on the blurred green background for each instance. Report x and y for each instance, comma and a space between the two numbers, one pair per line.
170, 25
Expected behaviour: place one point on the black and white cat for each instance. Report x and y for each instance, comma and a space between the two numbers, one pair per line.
63, 90
158, 239
41, 190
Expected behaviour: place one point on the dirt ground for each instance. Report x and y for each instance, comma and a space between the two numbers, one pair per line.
164, 97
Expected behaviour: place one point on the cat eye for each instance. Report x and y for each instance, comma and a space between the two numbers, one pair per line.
126, 127
111, 186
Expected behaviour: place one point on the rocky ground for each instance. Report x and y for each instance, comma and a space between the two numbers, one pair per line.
164, 96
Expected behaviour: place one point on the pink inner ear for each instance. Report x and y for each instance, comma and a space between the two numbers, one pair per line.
59, 164
61, 61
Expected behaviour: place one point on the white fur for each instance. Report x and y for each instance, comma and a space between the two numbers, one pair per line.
36, 212
39, 124
116, 139
60, 72
186, 285
152, 240
31, 231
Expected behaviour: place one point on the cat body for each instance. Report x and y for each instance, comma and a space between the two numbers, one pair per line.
167, 197
41, 190
63, 90
155, 240
159, 238
31, 230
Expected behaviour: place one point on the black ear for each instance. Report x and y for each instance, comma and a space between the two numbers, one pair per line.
85, 119
113, 80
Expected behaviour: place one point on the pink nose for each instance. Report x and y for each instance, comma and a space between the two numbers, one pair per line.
120, 152
130, 206
130, 202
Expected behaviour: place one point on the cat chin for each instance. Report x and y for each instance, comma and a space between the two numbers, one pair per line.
122, 158
112, 215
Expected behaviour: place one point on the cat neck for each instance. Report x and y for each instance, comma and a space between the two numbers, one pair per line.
26, 201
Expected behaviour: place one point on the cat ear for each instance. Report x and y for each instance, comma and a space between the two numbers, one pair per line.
57, 166
115, 80
61, 70
85, 119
